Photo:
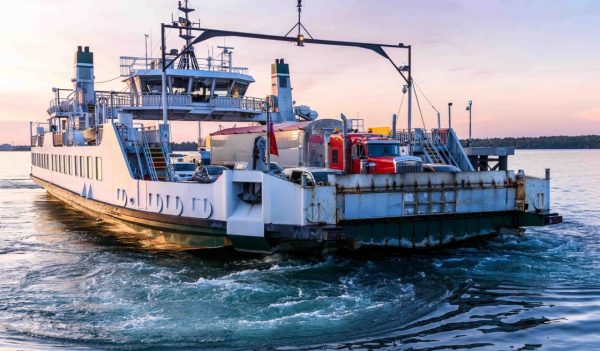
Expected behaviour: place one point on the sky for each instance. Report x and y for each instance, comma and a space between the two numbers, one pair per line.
531, 68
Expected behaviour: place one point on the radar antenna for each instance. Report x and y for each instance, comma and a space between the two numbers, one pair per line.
300, 26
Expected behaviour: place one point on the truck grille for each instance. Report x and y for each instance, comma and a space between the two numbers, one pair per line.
409, 167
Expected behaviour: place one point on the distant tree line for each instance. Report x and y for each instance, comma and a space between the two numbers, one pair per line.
9, 147
185, 146
546, 142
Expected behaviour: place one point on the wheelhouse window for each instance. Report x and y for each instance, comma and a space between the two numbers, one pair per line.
222, 87
239, 89
151, 86
179, 85
201, 90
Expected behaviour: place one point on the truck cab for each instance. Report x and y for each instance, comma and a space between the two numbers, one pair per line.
369, 153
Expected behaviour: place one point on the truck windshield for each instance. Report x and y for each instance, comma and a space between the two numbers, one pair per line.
378, 150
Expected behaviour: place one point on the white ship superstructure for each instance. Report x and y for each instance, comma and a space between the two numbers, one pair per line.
102, 152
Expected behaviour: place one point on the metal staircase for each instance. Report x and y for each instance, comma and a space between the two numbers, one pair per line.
445, 153
159, 163
170, 170
149, 159
431, 152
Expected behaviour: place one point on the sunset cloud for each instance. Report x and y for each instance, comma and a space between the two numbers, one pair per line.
531, 68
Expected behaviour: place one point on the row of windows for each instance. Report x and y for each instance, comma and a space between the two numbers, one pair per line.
79, 166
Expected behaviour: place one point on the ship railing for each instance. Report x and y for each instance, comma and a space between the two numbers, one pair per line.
185, 100
37, 140
151, 135
129, 65
406, 137
241, 103
114, 99
58, 138
58, 105
155, 100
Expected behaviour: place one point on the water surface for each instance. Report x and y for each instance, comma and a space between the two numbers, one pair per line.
70, 281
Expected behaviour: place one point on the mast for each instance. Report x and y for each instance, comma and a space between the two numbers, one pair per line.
188, 58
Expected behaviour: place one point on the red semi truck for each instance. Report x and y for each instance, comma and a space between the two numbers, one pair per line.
370, 153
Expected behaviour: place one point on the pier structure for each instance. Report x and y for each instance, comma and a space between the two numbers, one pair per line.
489, 158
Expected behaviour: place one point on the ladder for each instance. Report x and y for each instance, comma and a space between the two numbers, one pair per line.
159, 162
169, 170
148, 157
431, 152
449, 158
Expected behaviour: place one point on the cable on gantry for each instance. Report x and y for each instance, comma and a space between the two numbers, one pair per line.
420, 112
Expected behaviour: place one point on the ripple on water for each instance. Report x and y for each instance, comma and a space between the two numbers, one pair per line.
69, 281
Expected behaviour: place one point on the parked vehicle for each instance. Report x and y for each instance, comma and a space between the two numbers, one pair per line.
368, 153
312, 175
207, 174
183, 170
275, 169
175, 158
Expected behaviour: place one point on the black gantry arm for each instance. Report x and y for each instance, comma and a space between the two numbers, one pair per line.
208, 33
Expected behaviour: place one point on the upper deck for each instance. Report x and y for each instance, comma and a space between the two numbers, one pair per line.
214, 89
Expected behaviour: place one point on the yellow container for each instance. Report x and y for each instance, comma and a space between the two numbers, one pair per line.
380, 130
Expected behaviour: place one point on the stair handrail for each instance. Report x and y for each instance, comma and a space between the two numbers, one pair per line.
148, 157
169, 166
428, 138
460, 152
135, 139
447, 151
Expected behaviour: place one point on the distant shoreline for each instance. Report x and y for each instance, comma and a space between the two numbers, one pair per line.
581, 142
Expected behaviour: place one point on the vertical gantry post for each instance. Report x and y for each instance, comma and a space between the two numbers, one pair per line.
112, 107
409, 87
469, 108
164, 74
409, 106
268, 147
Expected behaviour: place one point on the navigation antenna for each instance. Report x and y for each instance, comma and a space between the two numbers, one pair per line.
188, 57
300, 26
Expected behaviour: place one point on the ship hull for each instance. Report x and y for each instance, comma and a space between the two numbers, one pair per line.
170, 231
400, 234
411, 211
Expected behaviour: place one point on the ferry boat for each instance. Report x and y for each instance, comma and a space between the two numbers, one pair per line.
107, 154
